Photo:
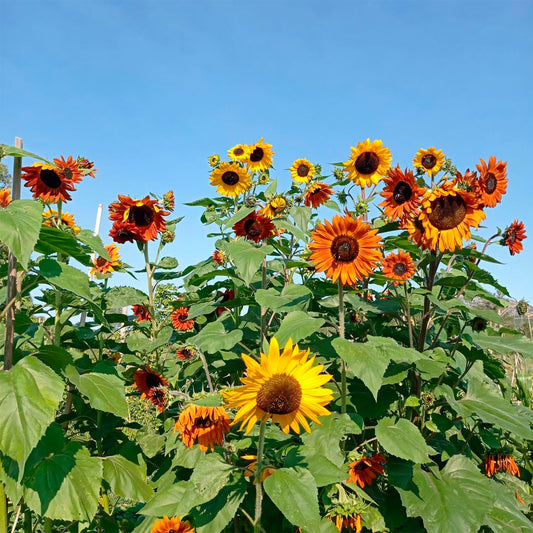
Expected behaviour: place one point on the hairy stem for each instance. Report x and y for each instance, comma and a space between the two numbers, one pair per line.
342, 336
258, 482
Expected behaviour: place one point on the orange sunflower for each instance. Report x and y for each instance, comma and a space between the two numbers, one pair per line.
86, 167
416, 231
346, 249
151, 384
259, 156
254, 227
172, 525
141, 312
501, 463
398, 267
69, 169
402, 194
50, 220
302, 171
513, 237
352, 522
252, 467
180, 319
218, 257
106, 266
448, 214
317, 195
186, 353
122, 232
5, 197
146, 216
207, 425
492, 181
363, 471
368, 163
47, 182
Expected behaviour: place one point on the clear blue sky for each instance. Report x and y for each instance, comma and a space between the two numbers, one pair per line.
148, 89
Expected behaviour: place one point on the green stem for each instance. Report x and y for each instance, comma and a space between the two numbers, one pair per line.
47, 525
3, 509
263, 309
258, 472
342, 336
408, 312
27, 521
149, 276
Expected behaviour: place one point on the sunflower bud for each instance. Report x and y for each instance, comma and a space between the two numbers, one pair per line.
168, 201
213, 160
478, 324
168, 236
2, 153
298, 199
522, 307
338, 173
361, 208
250, 201
342, 197
263, 179
318, 169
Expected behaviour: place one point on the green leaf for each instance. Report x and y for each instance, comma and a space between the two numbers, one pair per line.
506, 344
20, 224
94, 242
119, 297
292, 297
213, 338
247, 258
301, 216
295, 494
65, 277
297, 325
6, 149
137, 342
55, 357
168, 263
403, 439
238, 216
29, 395
322, 469
127, 479
53, 240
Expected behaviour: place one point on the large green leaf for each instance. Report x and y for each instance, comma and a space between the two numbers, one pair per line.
65, 277
118, 297
297, 325
291, 298
506, 344
94, 242
127, 479
29, 396
53, 240
239, 215
213, 338
247, 258
137, 342
295, 494
20, 224
6, 149
403, 439
507, 513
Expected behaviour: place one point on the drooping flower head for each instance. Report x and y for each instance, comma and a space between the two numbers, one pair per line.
368, 163
48, 182
172, 525
86, 167
501, 463
302, 171
230, 179
239, 153
364, 471
398, 267
103, 265
492, 181
345, 248
430, 160
5, 197
169, 201
317, 194
180, 319
347, 522
218, 257
51, 220
285, 386
402, 194
254, 227
141, 312
259, 156
275, 207
207, 425
513, 237
416, 231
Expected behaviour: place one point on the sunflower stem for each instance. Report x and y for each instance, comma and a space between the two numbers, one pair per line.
258, 482
3, 509
263, 309
408, 312
47, 525
201, 355
342, 336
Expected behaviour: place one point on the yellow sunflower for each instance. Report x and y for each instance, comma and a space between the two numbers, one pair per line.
283, 386
239, 153
302, 171
447, 215
259, 156
105, 266
213, 160
429, 160
368, 163
230, 179
275, 207
50, 219
5, 197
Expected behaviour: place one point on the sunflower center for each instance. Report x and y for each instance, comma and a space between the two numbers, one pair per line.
302, 171
399, 269
367, 163
447, 212
152, 381
280, 395
512, 237
257, 154
186, 353
100, 261
67, 173
314, 190
203, 422
141, 215
238, 151
230, 177
344, 248
490, 182
402, 193
252, 228
50, 178
360, 466
429, 161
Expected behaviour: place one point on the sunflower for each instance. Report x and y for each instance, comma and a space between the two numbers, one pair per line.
402, 194
478, 324
492, 181
213, 160
218, 257
351, 522
186, 353
283, 386
513, 237
106, 266
252, 467
180, 319
369, 162
447, 216
345, 248
230, 179
416, 231
302, 171
429, 160
254, 227
275, 207
317, 195
69, 169
172, 525
239, 153
259, 156
146, 216
227, 295
501, 463
50, 216
169, 201
47, 183
363, 471
150, 384
5, 197
86, 167
207, 425
398, 267
141, 312
122, 232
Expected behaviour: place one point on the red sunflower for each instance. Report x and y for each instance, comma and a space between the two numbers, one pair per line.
151, 384
402, 194
86, 167
180, 319
492, 181
365, 470
227, 295
513, 237
69, 169
141, 312
186, 353
47, 182
317, 194
122, 232
254, 227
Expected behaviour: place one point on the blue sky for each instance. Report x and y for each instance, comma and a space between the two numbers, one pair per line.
149, 89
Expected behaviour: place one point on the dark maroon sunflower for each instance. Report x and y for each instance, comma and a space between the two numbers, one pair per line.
254, 227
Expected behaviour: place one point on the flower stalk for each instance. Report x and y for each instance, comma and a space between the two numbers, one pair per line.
342, 336
258, 482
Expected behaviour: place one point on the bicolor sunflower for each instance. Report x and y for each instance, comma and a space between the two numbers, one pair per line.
275, 207
501, 463
398, 267
402, 194
145, 216
285, 386
345, 248
103, 265
317, 194
492, 181
351, 522
218, 257
239, 153
368, 163
180, 319
230, 179
513, 237
141, 313
254, 227
5, 197
448, 214
172, 525
259, 156
47, 182
363, 471
51, 220
302, 171
207, 425
430, 160
186, 353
